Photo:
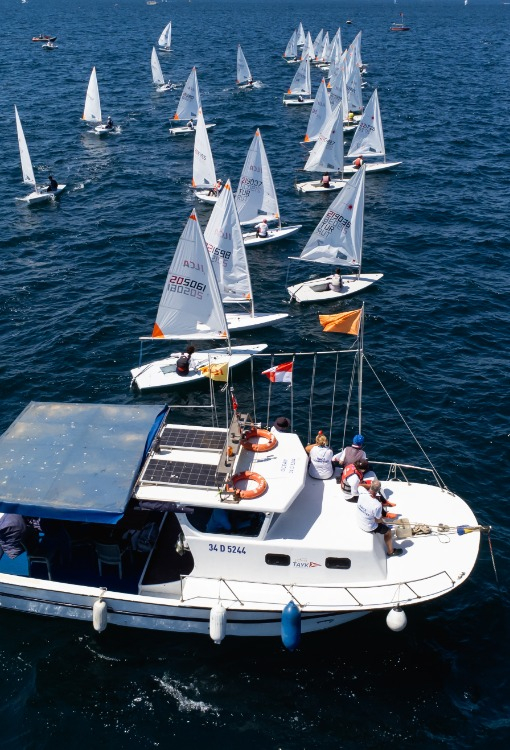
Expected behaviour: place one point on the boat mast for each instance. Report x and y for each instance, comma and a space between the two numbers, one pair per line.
360, 364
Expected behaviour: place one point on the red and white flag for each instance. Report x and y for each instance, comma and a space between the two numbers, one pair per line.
280, 373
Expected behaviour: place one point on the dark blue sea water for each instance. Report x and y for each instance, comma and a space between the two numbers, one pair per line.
81, 279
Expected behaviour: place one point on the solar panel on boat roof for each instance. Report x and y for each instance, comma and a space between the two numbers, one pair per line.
193, 438
180, 472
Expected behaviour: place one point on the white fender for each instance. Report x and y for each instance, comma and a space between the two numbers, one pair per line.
218, 623
99, 615
396, 619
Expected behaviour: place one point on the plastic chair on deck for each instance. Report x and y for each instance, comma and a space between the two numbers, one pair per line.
110, 554
40, 554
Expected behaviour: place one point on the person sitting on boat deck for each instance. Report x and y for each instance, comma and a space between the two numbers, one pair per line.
300, 98
109, 123
53, 184
218, 187
352, 453
262, 229
191, 124
358, 162
320, 466
350, 117
336, 281
370, 516
352, 475
12, 532
326, 180
182, 364
372, 485
281, 424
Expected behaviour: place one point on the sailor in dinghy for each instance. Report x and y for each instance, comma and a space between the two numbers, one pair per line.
188, 107
92, 109
39, 194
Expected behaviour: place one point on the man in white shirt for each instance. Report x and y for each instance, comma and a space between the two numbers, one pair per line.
370, 518
262, 229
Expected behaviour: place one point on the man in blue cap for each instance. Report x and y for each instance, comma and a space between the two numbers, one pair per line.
352, 453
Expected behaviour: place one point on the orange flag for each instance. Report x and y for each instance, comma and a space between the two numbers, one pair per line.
347, 322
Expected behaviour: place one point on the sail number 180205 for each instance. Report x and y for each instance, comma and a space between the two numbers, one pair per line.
231, 549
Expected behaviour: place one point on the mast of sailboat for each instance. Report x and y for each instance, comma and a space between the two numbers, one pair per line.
360, 364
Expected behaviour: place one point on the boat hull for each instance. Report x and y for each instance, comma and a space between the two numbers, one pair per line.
247, 322
161, 373
42, 196
274, 235
370, 168
296, 103
204, 197
317, 290
315, 186
184, 130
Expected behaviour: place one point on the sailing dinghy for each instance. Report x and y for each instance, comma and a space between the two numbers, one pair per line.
204, 181
190, 309
321, 111
337, 240
256, 197
327, 156
92, 109
300, 90
188, 107
165, 38
291, 50
157, 74
368, 140
39, 194
244, 76
224, 239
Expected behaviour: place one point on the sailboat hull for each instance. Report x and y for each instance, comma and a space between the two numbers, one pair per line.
297, 103
184, 130
381, 166
317, 290
274, 235
204, 197
247, 322
42, 196
316, 186
103, 130
161, 374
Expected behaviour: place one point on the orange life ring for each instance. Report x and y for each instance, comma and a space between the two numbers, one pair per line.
247, 494
259, 447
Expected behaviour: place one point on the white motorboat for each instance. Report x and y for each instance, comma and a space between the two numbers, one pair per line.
39, 194
256, 198
368, 140
337, 240
191, 309
146, 522
224, 239
300, 90
188, 107
92, 108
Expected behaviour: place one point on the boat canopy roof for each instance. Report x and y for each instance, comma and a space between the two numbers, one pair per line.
75, 462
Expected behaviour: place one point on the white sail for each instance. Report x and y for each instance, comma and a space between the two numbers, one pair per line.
26, 162
328, 153
321, 110
338, 37
355, 50
243, 71
317, 42
338, 93
157, 73
256, 195
165, 38
92, 109
338, 237
225, 244
291, 48
191, 301
301, 38
204, 174
368, 140
189, 103
308, 52
301, 83
324, 51
354, 91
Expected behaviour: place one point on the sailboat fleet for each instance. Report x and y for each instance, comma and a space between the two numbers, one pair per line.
240, 539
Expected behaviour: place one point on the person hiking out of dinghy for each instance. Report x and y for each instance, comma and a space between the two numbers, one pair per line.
218, 187
336, 281
182, 364
370, 516
262, 230
358, 162
109, 123
53, 184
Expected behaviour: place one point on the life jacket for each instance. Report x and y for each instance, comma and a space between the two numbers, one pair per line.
349, 470
182, 364
352, 455
358, 162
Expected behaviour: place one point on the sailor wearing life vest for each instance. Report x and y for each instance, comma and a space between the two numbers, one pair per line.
182, 364
352, 453
351, 477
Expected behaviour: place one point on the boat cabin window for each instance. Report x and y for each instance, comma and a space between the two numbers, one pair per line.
282, 560
219, 521
338, 563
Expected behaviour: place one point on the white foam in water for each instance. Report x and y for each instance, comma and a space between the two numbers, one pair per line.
184, 703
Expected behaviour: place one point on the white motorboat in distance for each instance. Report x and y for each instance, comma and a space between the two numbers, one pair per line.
39, 194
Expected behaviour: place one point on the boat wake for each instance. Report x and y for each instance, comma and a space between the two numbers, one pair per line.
184, 703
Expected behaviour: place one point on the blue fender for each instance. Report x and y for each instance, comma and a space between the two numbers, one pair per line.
291, 626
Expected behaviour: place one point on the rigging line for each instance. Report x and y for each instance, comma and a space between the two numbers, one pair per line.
333, 403
253, 391
292, 396
436, 473
492, 556
310, 408
269, 393
349, 397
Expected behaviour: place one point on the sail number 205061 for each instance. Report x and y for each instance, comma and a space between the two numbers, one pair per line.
231, 549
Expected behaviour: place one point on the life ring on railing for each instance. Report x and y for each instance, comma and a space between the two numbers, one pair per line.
259, 447
247, 476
